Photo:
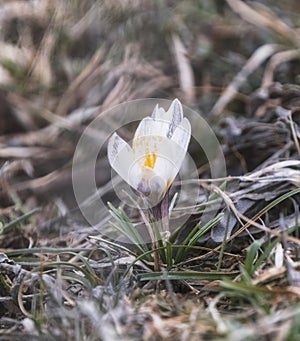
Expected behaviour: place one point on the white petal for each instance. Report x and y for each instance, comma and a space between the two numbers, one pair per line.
155, 112
171, 152
120, 156
173, 116
176, 118
147, 149
175, 110
161, 123
177, 149
169, 161
182, 134
148, 126
167, 170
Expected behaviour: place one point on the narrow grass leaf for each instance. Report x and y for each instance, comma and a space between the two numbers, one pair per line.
14, 223
251, 255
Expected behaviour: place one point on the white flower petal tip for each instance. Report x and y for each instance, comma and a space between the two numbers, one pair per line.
177, 116
158, 149
120, 156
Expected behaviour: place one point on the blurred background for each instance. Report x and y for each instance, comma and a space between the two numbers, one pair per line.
63, 62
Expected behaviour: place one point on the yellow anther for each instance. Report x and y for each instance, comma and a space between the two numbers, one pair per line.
150, 160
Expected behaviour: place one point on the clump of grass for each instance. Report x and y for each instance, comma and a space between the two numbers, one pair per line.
171, 253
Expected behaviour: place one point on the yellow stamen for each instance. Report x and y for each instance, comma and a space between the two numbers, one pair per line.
150, 160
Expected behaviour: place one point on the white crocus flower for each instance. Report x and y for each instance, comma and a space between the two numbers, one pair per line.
157, 153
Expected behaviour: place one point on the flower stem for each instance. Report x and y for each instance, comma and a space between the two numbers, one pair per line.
161, 213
